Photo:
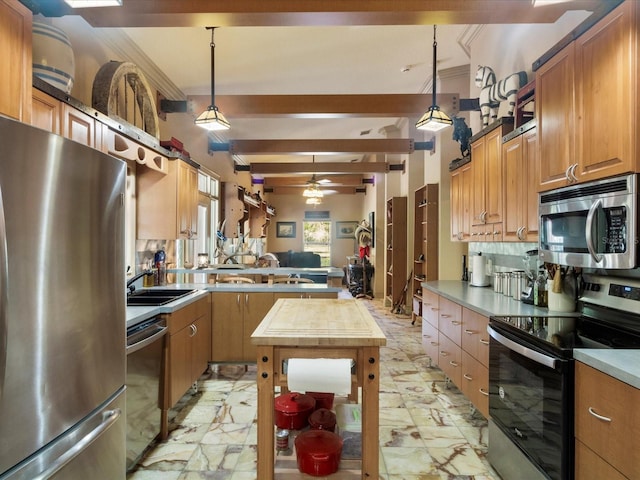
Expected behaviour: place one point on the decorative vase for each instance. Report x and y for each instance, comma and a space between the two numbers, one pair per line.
53, 59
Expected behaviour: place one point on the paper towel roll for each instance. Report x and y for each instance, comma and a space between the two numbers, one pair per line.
330, 375
479, 271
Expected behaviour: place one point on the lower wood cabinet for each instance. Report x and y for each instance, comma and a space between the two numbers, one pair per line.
430, 342
235, 316
305, 295
450, 358
607, 425
475, 383
187, 352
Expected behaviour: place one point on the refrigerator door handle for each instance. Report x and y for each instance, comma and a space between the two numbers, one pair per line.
109, 417
4, 282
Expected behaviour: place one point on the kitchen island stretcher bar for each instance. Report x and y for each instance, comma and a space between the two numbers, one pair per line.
318, 328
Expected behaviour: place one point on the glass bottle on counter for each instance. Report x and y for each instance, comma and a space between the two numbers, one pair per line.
540, 290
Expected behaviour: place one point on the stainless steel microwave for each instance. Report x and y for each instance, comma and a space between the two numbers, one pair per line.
591, 225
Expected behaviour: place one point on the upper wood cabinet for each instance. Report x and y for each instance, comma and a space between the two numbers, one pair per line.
168, 204
45, 111
519, 158
587, 103
486, 199
461, 181
15, 51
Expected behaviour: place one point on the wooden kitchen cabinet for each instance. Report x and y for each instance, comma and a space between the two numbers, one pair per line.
450, 320
278, 295
15, 50
475, 359
520, 163
235, 315
168, 203
449, 339
460, 196
486, 198
587, 103
188, 350
45, 111
430, 342
607, 424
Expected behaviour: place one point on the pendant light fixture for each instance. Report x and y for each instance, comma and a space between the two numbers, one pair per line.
212, 118
434, 119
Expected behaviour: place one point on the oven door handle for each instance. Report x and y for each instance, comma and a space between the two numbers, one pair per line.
587, 234
529, 353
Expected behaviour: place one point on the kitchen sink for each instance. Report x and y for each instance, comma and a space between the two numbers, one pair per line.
155, 297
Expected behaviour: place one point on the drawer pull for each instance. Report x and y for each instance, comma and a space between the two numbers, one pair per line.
426, 336
470, 332
599, 417
455, 322
452, 363
468, 377
484, 342
444, 315
444, 354
486, 394
435, 344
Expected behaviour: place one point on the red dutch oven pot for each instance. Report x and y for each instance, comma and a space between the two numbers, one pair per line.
323, 400
323, 419
318, 452
292, 410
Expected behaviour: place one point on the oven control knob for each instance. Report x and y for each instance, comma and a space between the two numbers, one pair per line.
501, 392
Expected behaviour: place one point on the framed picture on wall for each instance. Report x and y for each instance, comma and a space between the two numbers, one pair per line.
286, 229
346, 229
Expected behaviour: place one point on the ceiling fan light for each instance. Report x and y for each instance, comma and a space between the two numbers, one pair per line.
212, 119
434, 120
93, 3
314, 201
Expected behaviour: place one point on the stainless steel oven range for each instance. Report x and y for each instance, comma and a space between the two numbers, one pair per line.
531, 377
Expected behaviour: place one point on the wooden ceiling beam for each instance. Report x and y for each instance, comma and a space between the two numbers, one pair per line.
320, 168
345, 190
317, 146
172, 13
324, 106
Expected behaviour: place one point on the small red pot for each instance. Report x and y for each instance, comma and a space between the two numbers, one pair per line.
323, 400
292, 410
323, 419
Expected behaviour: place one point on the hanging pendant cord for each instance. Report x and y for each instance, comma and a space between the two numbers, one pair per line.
433, 78
213, 68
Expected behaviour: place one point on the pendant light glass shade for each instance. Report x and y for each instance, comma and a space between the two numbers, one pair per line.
212, 119
434, 119
313, 189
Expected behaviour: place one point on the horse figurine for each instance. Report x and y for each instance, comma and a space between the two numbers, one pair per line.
461, 134
493, 93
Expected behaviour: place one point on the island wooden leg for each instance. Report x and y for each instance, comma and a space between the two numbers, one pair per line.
370, 412
265, 381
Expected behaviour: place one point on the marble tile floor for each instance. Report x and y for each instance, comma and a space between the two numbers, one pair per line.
428, 430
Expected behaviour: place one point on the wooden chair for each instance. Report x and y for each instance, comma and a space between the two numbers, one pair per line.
292, 280
236, 279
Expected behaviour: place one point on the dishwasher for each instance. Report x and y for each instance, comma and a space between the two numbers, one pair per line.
145, 346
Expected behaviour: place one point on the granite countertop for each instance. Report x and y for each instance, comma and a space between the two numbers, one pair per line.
136, 315
623, 365
484, 300
249, 270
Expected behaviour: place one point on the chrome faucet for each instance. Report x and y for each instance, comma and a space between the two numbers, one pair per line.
131, 286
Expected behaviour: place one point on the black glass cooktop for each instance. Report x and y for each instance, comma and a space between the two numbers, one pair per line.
562, 334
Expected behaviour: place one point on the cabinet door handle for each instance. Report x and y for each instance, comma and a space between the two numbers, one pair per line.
573, 172
567, 175
455, 322
238, 300
194, 330
435, 344
599, 417
470, 332
426, 336
484, 342
444, 315
246, 299
483, 392
468, 377
444, 354
452, 363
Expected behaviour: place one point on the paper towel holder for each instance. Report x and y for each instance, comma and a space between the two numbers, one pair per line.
285, 366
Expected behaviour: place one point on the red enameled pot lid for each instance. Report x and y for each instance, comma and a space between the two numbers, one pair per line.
318, 442
294, 402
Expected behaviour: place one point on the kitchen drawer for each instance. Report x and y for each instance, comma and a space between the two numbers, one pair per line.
475, 338
188, 314
616, 435
475, 383
430, 304
590, 466
430, 342
450, 320
449, 359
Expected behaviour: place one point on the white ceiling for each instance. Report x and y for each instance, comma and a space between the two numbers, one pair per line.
254, 59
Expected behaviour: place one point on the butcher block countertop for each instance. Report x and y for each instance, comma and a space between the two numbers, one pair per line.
318, 322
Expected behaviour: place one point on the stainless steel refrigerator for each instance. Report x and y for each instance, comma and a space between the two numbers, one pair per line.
62, 308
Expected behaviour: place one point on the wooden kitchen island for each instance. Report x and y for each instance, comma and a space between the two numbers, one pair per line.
318, 328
